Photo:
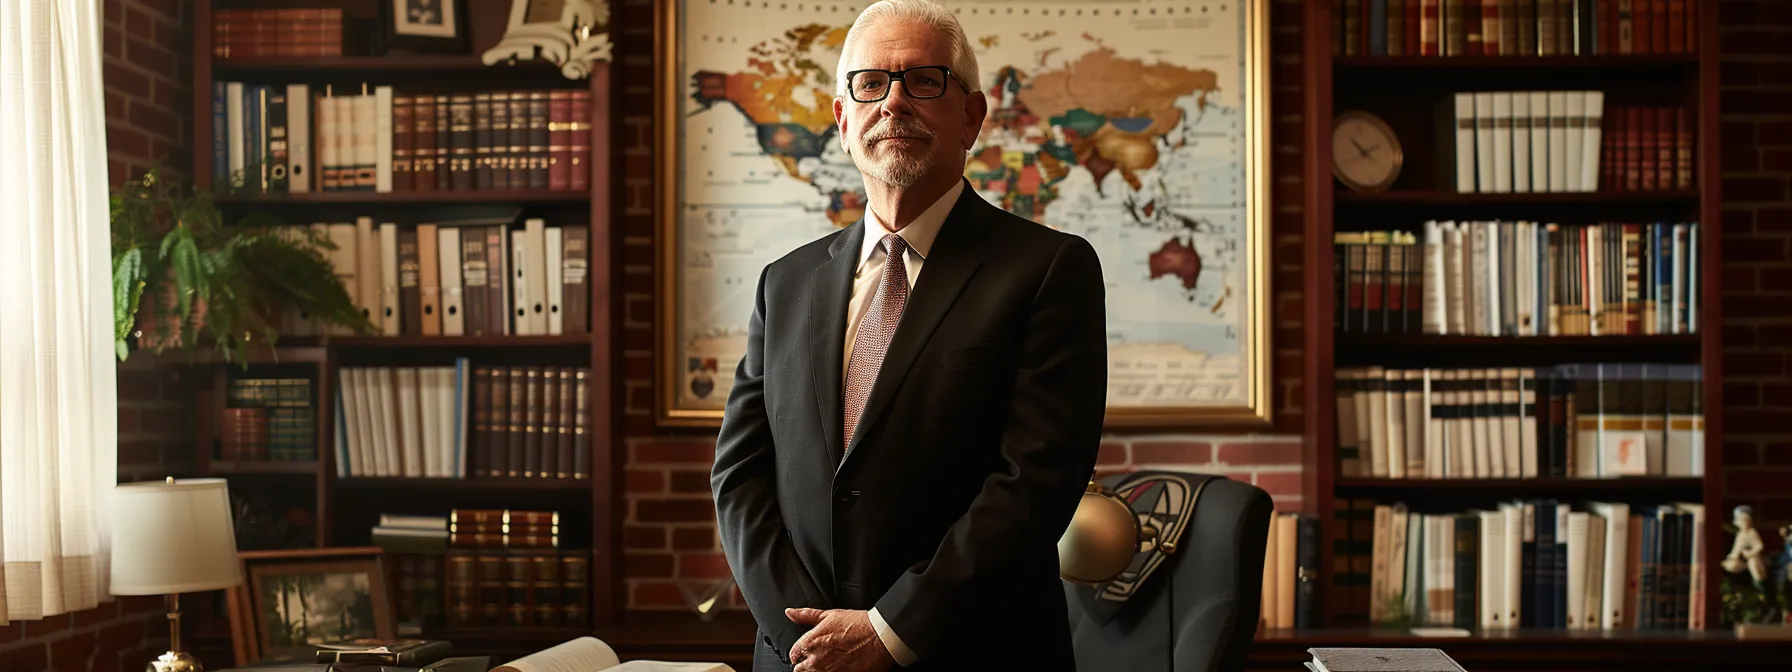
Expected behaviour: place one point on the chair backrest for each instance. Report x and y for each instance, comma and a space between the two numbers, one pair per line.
1198, 612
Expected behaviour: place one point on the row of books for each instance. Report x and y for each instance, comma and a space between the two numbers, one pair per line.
258, 33
1519, 279
1567, 421
1541, 563
1561, 141
1513, 27
1290, 573
279, 139
530, 422
402, 421
435, 279
268, 419
518, 588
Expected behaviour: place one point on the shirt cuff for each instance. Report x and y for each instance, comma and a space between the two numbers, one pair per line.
892, 643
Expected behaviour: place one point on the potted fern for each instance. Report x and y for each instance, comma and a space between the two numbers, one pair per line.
180, 277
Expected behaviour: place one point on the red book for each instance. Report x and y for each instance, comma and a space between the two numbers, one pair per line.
1683, 145
579, 142
1666, 147
1409, 19
559, 139
1646, 145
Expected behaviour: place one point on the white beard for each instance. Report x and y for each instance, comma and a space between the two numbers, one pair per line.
896, 169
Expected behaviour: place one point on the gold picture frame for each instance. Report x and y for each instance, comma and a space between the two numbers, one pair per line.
1241, 393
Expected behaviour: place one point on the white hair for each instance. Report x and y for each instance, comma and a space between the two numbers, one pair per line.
964, 63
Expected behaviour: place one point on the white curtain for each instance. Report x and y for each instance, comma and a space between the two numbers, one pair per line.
58, 372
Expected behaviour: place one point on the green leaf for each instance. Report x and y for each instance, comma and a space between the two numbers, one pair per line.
125, 289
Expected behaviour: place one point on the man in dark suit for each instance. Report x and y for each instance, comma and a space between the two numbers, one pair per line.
921, 399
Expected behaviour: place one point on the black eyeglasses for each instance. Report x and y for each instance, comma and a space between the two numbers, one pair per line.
924, 82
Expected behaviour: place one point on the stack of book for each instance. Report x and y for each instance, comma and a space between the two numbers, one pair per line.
403, 421
261, 33
414, 548
433, 279
1496, 142
1569, 421
1290, 573
506, 569
1526, 564
1513, 27
269, 418
1519, 278
293, 139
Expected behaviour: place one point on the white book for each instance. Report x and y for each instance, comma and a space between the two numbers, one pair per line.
1465, 143
340, 432
1475, 285
1397, 541
346, 264
1502, 141
1436, 440
448, 256
1677, 306
1417, 420
1484, 142
508, 322
1577, 569
366, 445
411, 427
463, 389
348, 451
367, 142
368, 256
1462, 441
1541, 124
536, 266
1595, 583
519, 285
1558, 141
1434, 311
1415, 566
1592, 129
1615, 576
1455, 278
382, 417
1576, 139
1692, 278
1524, 268
1490, 596
1596, 269
552, 285
1494, 269
1521, 141
236, 142
1527, 423
1378, 423
1266, 609
1365, 436
1513, 563
324, 132
382, 138
1394, 405
390, 317
298, 134
1378, 563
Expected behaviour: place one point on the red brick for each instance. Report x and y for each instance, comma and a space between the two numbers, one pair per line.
690, 481
169, 95
127, 420
1279, 483
1754, 248
127, 141
1772, 335
85, 619
645, 480
1745, 189
1289, 307
142, 604
12, 632
1741, 395
1738, 73
639, 537
675, 452
29, 658
637, 366
1775, 454
1774, 280
114, 12
675, 511
638, 309
1755, 422
1240, 454
151, 57
637, 425
123, 634
703, 566
656, 594
46, 626
1739, 336
1772, 395
170, 37
1285, 43
1758, 481
1754, 306
1738, 279
1740, 454
1112, 453
1769, 220
637, 339
137, 23
693, 539
154, 119
168, 8
1754, 364
1774, 133
1776, 159
1171, 452
647, 566
1773, 509
117, 172
72, 652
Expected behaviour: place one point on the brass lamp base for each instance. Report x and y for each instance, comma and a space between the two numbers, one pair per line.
175, 661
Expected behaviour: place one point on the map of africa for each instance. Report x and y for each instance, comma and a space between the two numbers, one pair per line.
1123, 123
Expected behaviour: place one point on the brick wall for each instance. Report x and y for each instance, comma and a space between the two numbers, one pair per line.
147, 105
1756, 46
669, 529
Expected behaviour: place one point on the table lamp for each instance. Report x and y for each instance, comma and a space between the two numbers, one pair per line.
170, 538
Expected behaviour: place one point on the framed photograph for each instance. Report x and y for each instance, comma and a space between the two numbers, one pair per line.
1139, 125
425, 26
292, 600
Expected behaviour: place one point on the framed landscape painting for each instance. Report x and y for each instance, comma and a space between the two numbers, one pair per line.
291, 600
1141, 126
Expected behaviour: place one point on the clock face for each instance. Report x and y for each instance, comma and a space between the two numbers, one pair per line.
1365, 153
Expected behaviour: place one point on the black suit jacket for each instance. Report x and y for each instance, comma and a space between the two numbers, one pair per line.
969, 459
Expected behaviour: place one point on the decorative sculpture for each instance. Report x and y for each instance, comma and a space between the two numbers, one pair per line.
571, 34
1746, 552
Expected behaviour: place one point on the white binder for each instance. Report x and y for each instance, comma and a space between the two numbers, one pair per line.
448, 257
555, 290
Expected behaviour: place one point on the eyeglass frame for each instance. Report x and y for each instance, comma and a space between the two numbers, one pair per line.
897, 76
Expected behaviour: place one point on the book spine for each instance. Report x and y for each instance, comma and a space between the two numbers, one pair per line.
579, 153
423, 150
444, 153
499, 151
519, 140
538, 140
559, 140
460, 142
482, 141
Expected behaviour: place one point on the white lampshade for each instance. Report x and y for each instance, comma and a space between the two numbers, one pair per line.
173, 537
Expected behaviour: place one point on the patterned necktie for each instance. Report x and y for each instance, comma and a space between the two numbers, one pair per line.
875, 330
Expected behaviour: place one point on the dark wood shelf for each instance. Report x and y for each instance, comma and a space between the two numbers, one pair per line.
482, 483
1345, 340
1600, 62
262, 467
1576, 485
421, 64
359, 197
1434, 197
1385, 636
408, 342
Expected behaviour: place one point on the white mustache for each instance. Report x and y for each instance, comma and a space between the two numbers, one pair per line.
898, 130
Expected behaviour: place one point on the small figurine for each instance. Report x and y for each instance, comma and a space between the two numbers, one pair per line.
1746, 552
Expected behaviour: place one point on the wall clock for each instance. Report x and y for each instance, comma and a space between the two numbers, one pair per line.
1365, 152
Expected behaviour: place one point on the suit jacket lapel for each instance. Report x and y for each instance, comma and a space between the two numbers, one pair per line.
949, 266
830, 290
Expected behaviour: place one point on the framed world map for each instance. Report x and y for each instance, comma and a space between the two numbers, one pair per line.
1141, 126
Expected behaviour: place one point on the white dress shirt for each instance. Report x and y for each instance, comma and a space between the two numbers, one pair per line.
919, 236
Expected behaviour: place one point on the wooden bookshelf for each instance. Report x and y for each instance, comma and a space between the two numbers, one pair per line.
345, 507
222, 467
1333, 84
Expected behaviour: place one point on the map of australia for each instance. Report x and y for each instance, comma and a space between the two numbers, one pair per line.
1115, 127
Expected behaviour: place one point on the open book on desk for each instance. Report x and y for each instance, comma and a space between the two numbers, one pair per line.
589, 654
